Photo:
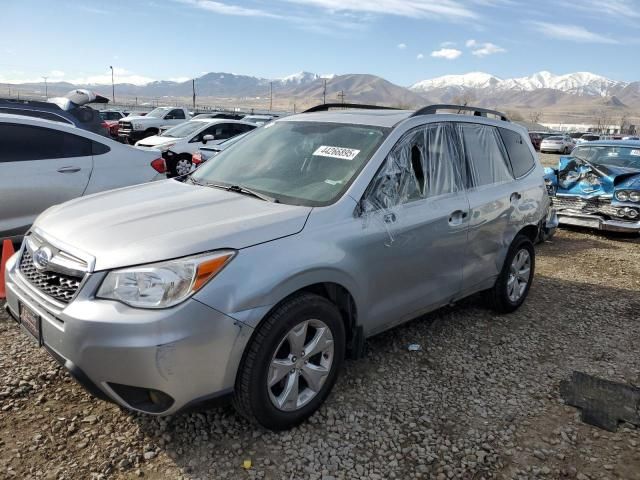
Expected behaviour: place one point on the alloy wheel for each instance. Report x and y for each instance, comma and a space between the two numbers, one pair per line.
519, 275
183, 167
300, 365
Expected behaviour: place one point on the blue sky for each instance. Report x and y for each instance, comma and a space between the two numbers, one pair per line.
403, 41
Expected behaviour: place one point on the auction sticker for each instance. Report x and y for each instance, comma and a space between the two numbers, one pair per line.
635, 153
336, 152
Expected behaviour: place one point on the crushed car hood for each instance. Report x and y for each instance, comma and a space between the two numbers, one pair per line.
164, 220
591, 183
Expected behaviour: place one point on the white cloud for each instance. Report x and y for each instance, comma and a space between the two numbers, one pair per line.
574, 33
179, 79
620, 9
483, 49
420, 56
402, 46
447, 53
120, 75
226, 9
443, 9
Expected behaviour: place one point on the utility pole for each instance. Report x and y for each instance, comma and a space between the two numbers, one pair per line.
324, 92
341, 95
113, 87
193, 86
46, 92
271, 96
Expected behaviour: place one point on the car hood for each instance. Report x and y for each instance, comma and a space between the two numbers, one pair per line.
164, 220
155, 140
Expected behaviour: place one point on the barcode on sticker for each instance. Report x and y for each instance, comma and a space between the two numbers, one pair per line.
635, 153
336, 152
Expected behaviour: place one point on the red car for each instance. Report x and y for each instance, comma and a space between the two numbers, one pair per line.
110, 120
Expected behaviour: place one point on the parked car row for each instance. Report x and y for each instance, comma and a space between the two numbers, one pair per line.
257, 274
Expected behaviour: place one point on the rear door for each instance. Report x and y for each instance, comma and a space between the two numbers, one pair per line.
494, 200
39, 167
416, 212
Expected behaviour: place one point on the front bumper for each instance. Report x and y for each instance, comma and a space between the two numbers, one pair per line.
597, 222
552, 148
189, 353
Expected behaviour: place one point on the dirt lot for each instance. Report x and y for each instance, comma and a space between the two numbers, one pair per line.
480, 400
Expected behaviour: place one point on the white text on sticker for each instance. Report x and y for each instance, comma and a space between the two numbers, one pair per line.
336, 152
635, 153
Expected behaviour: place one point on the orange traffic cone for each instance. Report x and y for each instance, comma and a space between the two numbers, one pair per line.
7, 251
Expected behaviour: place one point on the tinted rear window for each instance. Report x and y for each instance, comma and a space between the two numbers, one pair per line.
522, 160
26, 142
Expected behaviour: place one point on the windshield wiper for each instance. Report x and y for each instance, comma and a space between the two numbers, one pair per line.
242, 190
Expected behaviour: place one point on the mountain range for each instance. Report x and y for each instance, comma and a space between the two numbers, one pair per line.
580, 93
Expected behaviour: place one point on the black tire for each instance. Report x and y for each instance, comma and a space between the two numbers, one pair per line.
251, 396
172, 165
498, 296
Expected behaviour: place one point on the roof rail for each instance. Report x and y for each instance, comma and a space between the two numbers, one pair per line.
477, 111
324, 107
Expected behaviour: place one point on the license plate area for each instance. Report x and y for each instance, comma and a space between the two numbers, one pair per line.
32, 322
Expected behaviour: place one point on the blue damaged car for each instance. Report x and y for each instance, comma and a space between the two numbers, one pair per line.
598, 186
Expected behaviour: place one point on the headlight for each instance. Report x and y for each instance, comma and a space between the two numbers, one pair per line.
622, 196
164, 284
634, 196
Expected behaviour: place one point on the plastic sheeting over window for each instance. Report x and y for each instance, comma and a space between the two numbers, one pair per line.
486, 160
422, 164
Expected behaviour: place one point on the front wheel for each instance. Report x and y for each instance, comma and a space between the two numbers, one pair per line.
291, 363
513, 283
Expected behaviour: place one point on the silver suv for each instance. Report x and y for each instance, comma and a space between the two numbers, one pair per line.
257, 274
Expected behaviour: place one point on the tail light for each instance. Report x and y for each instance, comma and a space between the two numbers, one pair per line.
159, 165
196, 158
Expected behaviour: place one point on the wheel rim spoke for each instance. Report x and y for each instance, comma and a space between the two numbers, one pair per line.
288, 399
520, 272
314, 376
319, 343
279, 369
297, 336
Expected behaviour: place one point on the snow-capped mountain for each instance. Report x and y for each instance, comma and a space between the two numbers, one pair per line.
299, 78
579, 83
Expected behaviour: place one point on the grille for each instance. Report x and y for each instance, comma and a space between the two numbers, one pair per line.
125, 125
586, 205
56, 285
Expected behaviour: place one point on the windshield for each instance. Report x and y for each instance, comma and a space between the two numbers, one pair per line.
554, 138
300, 163
157, 112
609, 156
184, 129
110, 115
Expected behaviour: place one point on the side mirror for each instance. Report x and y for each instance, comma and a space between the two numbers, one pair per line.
208, 138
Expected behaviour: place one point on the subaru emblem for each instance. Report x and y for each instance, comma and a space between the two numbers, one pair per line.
42, 257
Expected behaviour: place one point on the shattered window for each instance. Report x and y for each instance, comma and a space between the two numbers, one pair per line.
422, 164
484, 154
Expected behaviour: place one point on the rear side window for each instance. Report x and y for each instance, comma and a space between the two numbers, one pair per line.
485, 160
98, 148
26, 142
240, 128
522, 162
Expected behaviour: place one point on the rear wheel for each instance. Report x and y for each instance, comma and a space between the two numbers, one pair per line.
291, 363
513, 283
183, 165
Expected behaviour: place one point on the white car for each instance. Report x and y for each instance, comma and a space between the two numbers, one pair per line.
44, 163
258, 119
179, 143
558, 144
588, 137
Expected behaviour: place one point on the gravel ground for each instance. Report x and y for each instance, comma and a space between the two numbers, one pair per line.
480, 400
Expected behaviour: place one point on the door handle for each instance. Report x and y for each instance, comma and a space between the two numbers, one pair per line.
457, 217
515, 196
68, 169
389, 218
